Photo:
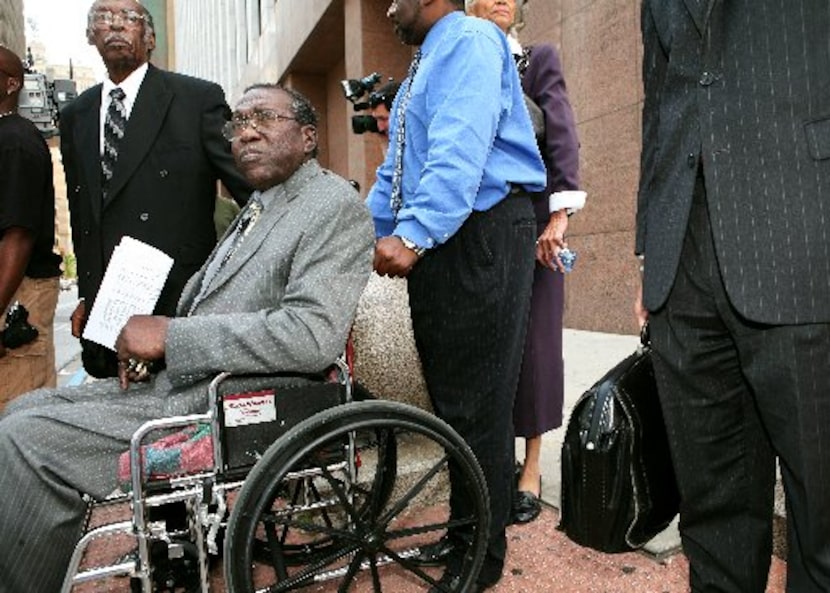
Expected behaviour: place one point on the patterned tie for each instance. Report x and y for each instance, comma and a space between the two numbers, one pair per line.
396, 199
114, 126
245, 222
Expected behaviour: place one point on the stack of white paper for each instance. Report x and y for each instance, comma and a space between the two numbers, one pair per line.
131, 286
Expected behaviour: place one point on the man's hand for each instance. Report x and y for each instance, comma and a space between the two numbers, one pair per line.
78, 319
392, 258
141, 340
640, 312
552, 241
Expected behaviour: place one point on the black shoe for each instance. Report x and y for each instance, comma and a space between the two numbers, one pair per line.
434, 554
526, 507
451, 583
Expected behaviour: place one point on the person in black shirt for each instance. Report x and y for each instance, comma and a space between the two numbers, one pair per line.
29, 268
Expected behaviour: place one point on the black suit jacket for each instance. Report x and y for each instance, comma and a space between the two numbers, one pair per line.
163, 188
741, 88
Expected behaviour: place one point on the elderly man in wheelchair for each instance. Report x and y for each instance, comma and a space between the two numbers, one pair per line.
343, 491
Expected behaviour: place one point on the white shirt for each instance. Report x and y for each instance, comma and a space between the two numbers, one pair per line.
130, 86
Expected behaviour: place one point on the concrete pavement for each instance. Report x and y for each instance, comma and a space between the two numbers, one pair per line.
67, 348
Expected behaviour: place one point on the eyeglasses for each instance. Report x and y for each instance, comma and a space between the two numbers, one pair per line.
258, 119
106, 18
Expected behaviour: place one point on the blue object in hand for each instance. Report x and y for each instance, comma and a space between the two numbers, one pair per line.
568, 259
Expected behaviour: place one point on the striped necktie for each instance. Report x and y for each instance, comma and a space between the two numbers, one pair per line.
396, 199
114, 125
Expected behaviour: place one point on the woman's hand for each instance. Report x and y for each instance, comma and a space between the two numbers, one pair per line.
552, 241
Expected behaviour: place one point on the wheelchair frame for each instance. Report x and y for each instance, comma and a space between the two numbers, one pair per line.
205, 496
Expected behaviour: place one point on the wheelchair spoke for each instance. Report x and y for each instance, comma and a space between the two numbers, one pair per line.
408, 532
416, 489
348, 579
304, 576
339, 492
409, 565
375, 576
277, 557
384, 468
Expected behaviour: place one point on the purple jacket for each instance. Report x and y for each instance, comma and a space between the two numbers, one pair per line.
543, 82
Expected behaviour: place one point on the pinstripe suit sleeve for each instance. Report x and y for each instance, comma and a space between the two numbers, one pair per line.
655, 63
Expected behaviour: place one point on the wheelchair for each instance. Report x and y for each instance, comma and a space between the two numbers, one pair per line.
316, 487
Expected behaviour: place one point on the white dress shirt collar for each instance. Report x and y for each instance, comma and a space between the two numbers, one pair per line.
130, 86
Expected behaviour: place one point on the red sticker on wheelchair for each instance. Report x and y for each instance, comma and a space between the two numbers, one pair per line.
252, 407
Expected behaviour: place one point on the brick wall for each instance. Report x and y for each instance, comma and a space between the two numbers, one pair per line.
599, 43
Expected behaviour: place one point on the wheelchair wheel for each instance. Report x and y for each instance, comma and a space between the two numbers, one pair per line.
357, 530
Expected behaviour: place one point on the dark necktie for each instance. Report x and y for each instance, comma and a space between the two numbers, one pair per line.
114, 125
396, 199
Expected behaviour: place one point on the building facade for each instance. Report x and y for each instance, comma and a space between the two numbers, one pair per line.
312, 45
12, 31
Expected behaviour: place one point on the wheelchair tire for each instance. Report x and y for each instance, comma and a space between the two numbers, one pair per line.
398, 502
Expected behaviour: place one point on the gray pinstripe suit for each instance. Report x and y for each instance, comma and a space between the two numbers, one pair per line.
284, 302
732, 219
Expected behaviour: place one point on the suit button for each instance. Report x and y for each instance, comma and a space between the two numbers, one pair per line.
163, 173
88, 274
86, 233
144, 217
707, 78
77, 189
691, 160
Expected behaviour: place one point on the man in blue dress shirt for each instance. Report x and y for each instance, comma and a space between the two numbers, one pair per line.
453, 214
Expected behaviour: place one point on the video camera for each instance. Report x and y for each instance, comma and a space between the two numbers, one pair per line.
356, 89
41, 100
17, 331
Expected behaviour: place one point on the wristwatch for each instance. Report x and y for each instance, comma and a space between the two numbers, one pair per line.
409, 244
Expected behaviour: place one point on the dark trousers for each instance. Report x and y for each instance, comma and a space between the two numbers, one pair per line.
470, 299
735, 394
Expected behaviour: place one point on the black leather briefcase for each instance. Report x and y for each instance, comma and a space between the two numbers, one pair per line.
618, 483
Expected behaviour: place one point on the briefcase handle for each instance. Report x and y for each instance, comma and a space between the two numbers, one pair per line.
645, 337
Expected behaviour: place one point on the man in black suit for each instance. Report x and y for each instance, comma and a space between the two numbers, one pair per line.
158, 183
733, 226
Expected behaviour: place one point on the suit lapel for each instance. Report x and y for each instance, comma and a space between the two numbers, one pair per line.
88, 130
697, 9
143, 127
252, 242
707, 15
273, 212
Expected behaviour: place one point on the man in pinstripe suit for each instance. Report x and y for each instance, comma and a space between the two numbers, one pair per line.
733, 226
282, 300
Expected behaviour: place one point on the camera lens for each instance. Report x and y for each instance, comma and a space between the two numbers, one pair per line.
364, 123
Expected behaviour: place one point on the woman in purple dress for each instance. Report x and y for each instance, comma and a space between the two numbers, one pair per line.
539, 397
